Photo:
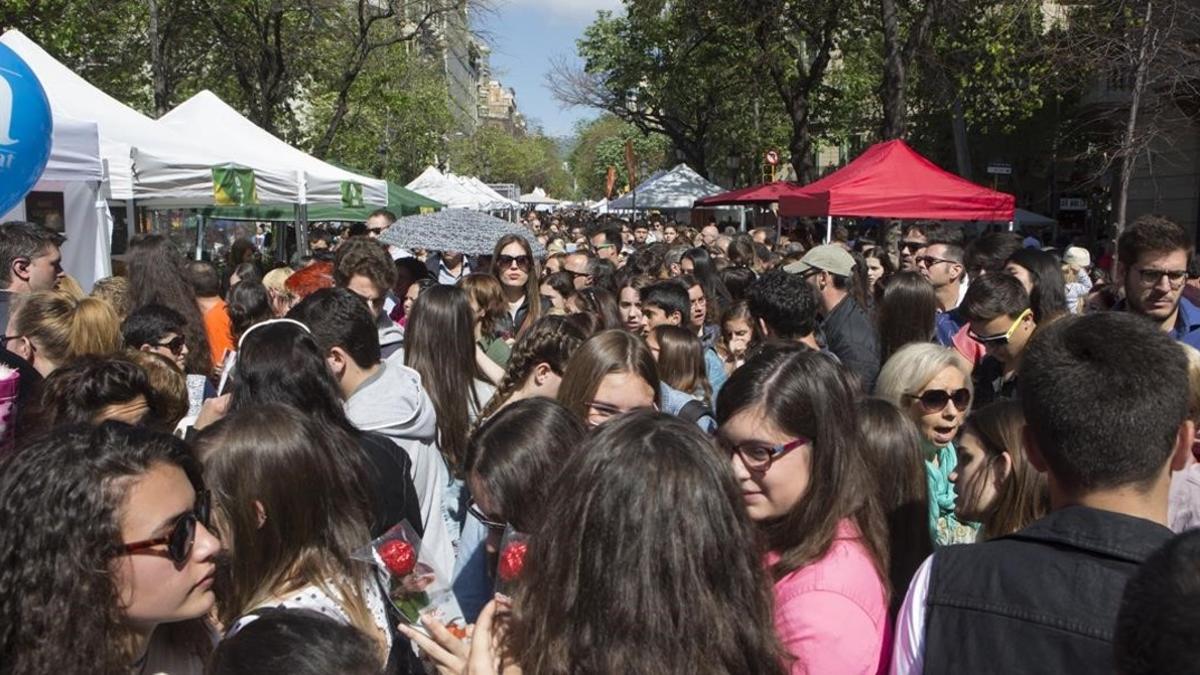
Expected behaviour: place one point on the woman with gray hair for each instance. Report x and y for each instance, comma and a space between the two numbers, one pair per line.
932, 385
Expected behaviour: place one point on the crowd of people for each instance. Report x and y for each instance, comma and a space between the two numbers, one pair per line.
904, 450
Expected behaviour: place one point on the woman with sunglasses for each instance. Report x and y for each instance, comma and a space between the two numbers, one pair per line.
932, 385
291, 507
106, 556
789, 427
516, 269
515, 458
610, 374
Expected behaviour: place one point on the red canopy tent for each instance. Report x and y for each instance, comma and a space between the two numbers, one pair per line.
755, 194
891, 180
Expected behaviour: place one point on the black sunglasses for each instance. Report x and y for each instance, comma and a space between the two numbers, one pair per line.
175, 344
506, 261
912, 245
933, 400
181, 537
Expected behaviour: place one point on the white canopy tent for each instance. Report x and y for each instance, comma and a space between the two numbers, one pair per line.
674, 190
538, 197
459, 192
207, 119
73, 178
145, 161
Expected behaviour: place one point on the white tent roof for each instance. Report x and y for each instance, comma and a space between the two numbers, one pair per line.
458, 192
166, 168
538, 196
207, 119
676, 189
74, 152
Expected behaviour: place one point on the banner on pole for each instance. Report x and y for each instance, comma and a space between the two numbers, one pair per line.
233, 186
610, 180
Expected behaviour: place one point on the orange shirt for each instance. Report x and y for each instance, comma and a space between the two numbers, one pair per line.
220, 334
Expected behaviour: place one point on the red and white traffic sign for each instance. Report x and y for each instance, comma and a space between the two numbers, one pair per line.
772, 157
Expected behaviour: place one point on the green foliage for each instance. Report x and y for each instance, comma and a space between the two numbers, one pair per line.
496, 156
600, 143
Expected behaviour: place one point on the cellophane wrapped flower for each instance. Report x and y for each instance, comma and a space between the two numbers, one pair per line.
415, 587
511, 561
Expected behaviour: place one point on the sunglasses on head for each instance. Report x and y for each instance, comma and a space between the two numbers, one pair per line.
175, 344
506, 261
182, 535
934, 400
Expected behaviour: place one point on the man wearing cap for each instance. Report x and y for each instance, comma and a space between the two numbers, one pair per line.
1077, 263
849, 333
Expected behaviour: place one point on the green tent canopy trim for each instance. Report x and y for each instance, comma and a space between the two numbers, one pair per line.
401, 201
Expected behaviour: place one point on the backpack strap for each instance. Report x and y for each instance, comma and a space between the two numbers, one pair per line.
693, 410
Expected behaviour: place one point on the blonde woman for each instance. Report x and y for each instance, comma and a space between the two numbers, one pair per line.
49, 329
932, 385
281, 298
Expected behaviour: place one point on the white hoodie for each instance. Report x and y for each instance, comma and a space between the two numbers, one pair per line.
393, 402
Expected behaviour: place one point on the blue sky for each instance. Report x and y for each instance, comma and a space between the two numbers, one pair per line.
526, 36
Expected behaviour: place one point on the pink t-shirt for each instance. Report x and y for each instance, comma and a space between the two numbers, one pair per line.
831, 616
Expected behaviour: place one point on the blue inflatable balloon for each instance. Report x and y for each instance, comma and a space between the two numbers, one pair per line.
26, 129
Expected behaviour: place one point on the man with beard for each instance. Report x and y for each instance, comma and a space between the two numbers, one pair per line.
1152, 261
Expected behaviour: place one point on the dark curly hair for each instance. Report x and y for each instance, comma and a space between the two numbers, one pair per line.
158, 276
60, 499
82, 389
785, 302
552, 340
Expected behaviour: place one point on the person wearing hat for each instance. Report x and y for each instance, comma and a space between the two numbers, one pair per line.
1077, 265
849, 333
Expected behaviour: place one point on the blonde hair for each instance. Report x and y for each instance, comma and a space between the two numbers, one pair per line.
278, 294
114, 291
913, 366
68, 285
1193, 359
63, 327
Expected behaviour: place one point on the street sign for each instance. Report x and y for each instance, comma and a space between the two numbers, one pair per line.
772, 157
1000, 168
1072, 204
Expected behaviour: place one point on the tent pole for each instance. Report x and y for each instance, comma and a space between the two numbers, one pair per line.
130, 219
828, 229
301, 220
1011, 226
199, 255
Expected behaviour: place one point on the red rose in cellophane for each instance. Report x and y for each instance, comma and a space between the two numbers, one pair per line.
513, 547
414, 586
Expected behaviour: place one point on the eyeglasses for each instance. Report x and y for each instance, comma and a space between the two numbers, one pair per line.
606, 411
175, 345
999, 339
506, 261
483, 518
912, 246
8, 338
935, 400
759, 457
181, 537
930, 261
596, 248
576, 275
1153, 277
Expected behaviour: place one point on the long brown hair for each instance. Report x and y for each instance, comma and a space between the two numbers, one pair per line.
488, 295
63, 327
439, 343
608, 352
681, 361
892, 447
310, 482
616, 581
805, 393
533, 295
1024, 496
552, 341
906, 312
157, 277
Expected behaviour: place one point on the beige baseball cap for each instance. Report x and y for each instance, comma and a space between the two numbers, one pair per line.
832, 258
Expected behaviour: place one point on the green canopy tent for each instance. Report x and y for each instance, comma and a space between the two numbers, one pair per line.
401, 201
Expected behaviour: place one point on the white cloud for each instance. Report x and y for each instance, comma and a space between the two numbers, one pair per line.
567, 9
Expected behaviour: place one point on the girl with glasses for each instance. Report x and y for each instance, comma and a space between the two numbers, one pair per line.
932, 385
106, 554
516, 269
611, 374
789, 429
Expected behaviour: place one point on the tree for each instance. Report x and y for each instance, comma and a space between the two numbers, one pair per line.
496, 156
900, 49
666, 68
600, 143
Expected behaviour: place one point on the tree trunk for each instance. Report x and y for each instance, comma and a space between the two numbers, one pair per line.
962, 153
895, 117
1128, 155
801, 145
158, 69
